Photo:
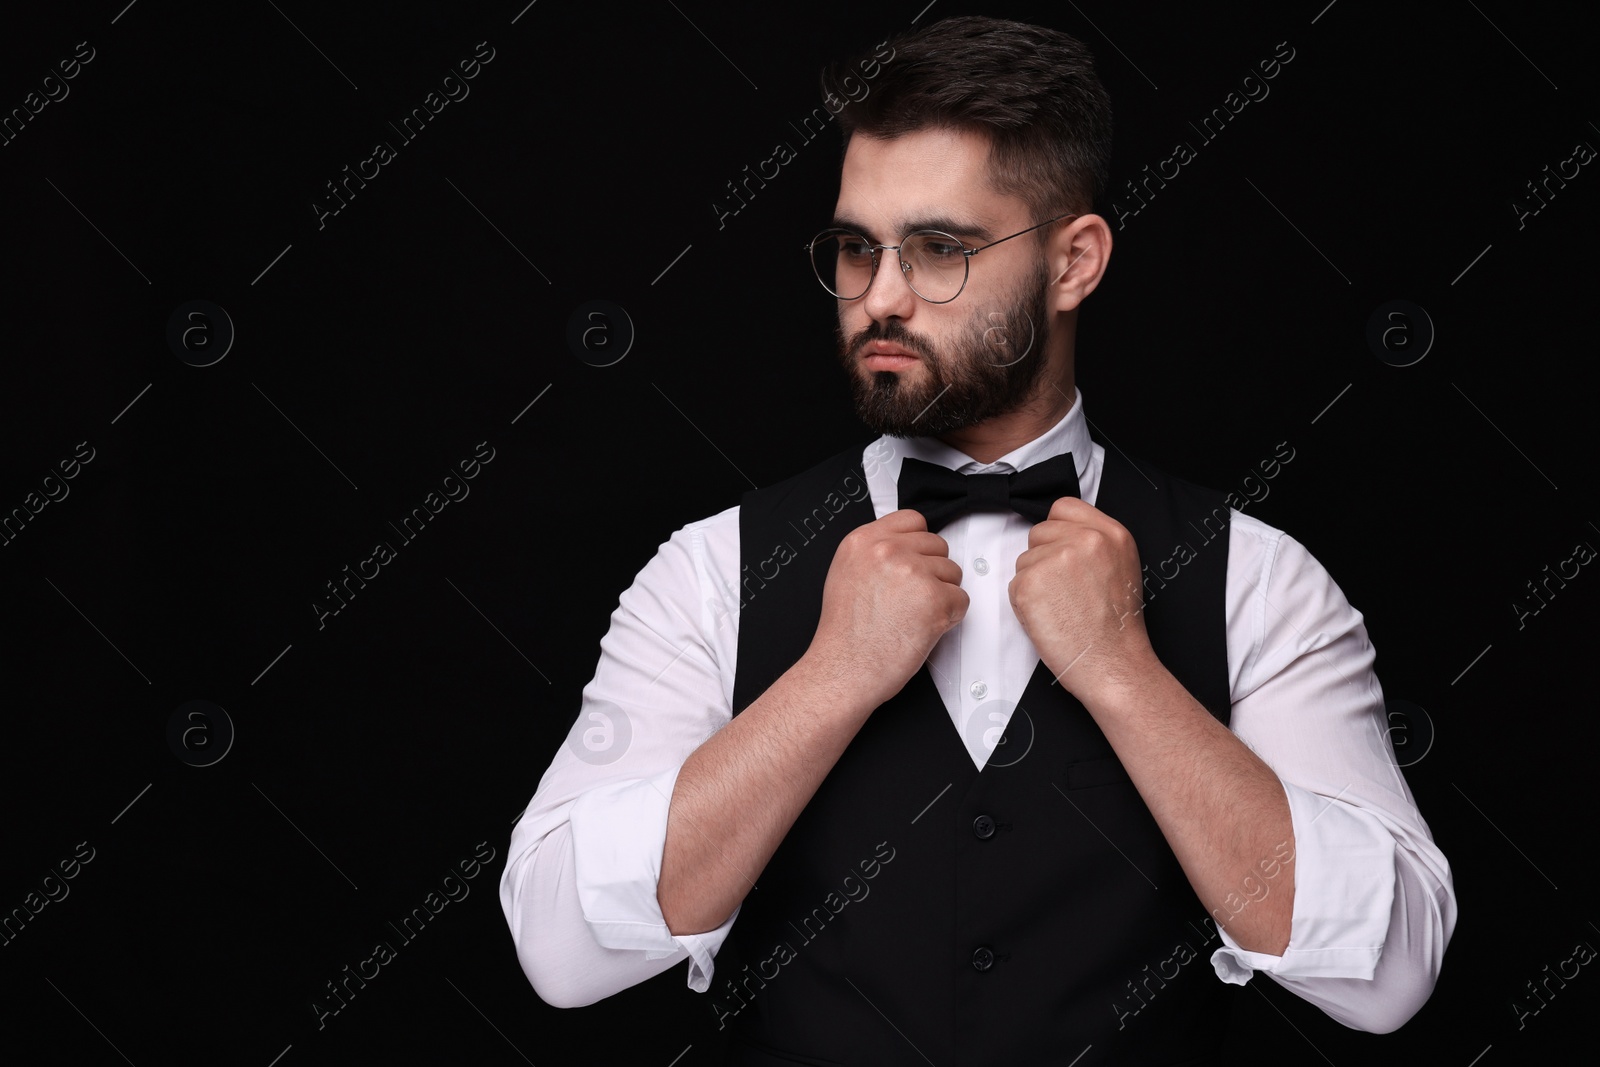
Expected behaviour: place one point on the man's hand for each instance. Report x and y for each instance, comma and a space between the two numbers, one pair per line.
1079, 597
892, 591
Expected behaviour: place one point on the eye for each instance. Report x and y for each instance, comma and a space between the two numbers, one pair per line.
854, 248
935, 249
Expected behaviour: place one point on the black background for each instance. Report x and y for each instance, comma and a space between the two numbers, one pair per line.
372, 354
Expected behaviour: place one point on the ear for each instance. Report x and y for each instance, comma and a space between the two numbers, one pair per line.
1078, 254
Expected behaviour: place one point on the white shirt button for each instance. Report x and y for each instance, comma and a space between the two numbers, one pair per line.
979, 690
980, 565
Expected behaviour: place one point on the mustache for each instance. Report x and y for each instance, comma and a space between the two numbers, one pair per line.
894, 333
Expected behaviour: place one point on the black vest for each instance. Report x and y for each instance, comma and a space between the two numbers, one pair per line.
921, 910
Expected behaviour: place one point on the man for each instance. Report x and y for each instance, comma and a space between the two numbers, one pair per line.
980, 770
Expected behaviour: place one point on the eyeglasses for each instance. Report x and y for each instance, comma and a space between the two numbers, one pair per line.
934, 264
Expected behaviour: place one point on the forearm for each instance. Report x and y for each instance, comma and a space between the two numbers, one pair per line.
738, 794
1222, 809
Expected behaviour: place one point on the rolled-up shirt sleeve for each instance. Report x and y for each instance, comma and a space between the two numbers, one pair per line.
579, 888
623, 827
1374, 902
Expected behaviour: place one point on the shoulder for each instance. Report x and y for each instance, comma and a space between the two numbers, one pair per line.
699, 544
1278, 565
1253, 537
1284, 604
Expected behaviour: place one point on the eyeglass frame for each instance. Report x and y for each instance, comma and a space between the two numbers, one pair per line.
905, 268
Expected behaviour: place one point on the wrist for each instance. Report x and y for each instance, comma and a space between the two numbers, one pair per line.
1122, 683
835, 685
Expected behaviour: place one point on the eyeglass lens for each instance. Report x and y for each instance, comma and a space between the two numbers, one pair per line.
934, 264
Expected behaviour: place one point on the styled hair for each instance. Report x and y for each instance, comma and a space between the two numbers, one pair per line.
1032, 91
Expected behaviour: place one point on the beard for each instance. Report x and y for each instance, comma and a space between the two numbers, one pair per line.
991, 368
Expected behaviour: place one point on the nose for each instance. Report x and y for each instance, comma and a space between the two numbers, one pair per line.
889, 296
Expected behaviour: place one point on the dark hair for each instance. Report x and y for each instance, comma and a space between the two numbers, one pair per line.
1033, 91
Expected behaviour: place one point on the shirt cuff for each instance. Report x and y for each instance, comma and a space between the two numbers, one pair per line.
618, 832
1344, 875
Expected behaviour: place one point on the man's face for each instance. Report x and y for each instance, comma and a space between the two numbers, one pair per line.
923, 369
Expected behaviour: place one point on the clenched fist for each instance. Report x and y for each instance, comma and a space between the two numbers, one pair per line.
892, 591
1078, 593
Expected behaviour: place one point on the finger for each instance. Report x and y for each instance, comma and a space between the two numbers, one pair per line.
956, 603
904, 519
1053, 531
947, 570
1049, 554
1033, 557
1043, 533
1068, 507
925, 543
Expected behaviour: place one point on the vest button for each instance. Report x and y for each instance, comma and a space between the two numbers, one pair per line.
982, 958
983, 827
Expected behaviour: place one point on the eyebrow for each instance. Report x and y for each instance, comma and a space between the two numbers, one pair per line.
954, 227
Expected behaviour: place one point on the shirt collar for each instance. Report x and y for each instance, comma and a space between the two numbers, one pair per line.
1069, 434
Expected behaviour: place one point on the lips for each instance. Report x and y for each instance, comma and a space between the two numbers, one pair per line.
884, 355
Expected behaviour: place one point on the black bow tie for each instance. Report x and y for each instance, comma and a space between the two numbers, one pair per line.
942, 494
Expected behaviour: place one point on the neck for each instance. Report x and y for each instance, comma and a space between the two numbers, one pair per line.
988, 441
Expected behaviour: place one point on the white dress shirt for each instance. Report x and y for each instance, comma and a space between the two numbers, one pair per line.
1374, 903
